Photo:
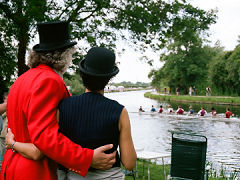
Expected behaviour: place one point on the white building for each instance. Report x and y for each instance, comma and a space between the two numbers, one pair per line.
120, 88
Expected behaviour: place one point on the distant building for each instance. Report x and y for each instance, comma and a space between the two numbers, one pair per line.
120, 88
110, 88
113, 88
106, 89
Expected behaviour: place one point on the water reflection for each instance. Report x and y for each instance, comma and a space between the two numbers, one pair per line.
152, 131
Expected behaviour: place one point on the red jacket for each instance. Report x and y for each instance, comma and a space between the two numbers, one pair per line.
31, 110
228, 114
180, 111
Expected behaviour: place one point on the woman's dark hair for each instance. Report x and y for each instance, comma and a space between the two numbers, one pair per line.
94, 83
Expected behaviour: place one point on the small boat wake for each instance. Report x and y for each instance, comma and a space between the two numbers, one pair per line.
209, 117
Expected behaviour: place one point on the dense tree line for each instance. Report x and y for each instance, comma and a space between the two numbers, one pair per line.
74, 82
224, 73
143, 23
128, 84
200, 66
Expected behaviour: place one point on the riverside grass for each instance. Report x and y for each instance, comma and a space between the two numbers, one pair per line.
225, 100
156, 172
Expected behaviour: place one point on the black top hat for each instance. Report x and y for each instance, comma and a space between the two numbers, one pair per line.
53, 36
99, 62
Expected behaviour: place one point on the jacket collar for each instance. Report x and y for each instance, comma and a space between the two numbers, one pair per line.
44, 66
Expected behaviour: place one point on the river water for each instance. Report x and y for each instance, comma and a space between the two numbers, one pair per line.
152, 131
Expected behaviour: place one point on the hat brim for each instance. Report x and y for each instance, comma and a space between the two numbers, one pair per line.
37, 47
85, 71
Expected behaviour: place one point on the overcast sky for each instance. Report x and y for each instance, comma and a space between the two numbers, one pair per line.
226, 30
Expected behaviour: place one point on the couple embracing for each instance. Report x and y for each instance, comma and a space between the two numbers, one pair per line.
53, 135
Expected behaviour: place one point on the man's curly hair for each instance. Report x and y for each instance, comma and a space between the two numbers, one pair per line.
58, 60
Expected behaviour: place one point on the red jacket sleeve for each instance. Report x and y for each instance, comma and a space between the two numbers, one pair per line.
43, 127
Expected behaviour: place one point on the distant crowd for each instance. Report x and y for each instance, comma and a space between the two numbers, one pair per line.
191, 91
180, 111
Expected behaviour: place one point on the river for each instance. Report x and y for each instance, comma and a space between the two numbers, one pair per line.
152, 131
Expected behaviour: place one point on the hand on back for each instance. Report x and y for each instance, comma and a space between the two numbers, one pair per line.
101, 160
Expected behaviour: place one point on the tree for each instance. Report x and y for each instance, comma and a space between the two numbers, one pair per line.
146, 23
75, 84
185, 66
233, 71
218, 74
16, 20
224, 72
7, 68
185, 58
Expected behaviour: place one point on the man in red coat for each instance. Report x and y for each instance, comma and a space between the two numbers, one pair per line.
31, 110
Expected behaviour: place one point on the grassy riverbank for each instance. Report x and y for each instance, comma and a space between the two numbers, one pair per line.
156, 172
196, 99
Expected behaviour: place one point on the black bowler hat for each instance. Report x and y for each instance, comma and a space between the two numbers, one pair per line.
99, 62
53, 36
